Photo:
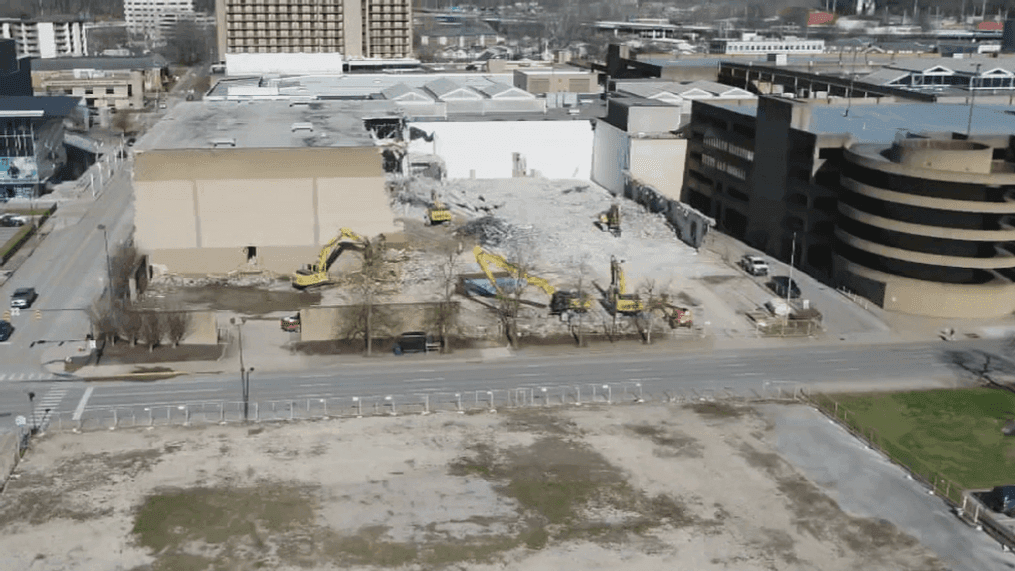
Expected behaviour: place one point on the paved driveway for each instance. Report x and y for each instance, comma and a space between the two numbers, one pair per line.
865, 484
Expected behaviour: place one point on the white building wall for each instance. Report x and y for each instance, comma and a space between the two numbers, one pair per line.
47, 40
485, 149
659, 163
611, 156
289, 64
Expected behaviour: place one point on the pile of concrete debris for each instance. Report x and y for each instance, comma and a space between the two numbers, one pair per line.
488, 231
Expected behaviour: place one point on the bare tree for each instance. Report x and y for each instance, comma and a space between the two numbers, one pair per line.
509, 304
103, 319
443, 316
128, 322
375, 280
124, 121
582, 270
122, 264
189, 43
359, 319
177, 325
655, 297
153, 328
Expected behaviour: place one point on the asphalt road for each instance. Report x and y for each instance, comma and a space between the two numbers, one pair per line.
826, 368
68, 271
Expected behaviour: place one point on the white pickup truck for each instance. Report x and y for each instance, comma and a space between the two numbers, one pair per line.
754, 265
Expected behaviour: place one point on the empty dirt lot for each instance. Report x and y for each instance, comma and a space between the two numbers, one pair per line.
632, 487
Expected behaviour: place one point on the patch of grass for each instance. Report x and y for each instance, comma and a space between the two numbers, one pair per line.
367, 548
169, 520
954, 433
677, 444
719, 409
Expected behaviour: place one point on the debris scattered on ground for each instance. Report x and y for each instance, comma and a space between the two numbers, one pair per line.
488, 230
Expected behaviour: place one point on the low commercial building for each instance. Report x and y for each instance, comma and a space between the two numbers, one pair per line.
541, 81
893, 201
114, 83
221, 187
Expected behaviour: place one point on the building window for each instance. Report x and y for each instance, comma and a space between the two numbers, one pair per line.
109, 91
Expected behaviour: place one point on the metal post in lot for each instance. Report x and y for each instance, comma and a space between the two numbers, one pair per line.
115, 420
640, 396
324, 403
151, 416
578, 395
546, 402
609, 394
390, 400
492, 409
459, 397
426, 404
359, 406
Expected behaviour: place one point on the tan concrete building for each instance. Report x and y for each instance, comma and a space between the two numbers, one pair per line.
353, 28
221, 186
103, 82
556, 79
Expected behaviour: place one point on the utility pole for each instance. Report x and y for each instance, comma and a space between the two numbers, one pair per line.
792, 262
972, 99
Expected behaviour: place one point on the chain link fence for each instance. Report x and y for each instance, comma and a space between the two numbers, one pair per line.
473, 401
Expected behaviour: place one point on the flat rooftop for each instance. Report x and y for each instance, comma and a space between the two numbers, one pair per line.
874, 123
351, 85
263, 124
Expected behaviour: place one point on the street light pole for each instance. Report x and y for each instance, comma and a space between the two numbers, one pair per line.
244, 372
109, 267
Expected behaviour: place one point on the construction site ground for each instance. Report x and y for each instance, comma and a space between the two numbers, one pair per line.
549, 225
653, 486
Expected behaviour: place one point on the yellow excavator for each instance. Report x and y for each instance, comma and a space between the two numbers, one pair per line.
610, 220
560, 300
622, 302
317, 274
438, 212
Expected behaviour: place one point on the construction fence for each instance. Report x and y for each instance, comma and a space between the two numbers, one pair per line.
198, 413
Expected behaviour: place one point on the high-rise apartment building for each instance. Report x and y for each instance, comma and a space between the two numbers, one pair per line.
54, 37
152, 17
353, 28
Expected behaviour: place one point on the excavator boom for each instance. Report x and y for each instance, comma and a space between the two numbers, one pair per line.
558, 298
317, 274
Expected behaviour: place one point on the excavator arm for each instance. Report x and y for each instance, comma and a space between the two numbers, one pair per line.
317, 274
570, 299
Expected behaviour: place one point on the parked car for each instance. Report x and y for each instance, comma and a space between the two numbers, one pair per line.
783, 286
1001, 499
416, 342
291, 323
23, 297
754, 265
12, 220
6, 329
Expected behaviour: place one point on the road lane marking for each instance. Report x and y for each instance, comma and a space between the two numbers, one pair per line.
311, 385
635, 370
529, 375
848, 369
424, 380
81, 405
833, 360
152, 393
732, 364
746, 374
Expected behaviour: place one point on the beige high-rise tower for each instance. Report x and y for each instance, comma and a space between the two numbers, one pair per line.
353, 28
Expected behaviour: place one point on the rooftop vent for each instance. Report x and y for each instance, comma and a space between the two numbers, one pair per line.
302, 127
223, 142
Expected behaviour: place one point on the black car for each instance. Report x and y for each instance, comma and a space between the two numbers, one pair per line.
783, 285
415, 342
5, 330
1001, 499
23, 297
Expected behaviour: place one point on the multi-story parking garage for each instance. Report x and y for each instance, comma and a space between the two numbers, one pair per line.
890, 200
925, 226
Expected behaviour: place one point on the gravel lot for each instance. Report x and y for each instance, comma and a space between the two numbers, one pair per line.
633, 487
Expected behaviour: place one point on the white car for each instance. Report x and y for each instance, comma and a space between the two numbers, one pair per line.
754, 265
